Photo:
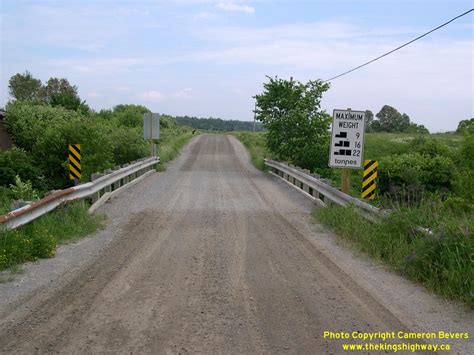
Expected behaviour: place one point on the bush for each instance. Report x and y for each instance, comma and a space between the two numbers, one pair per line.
129, 115
414, 173
430, 147
39, 238
17, 161
26, 122
6, 198
23, 190
51, 149
128, 144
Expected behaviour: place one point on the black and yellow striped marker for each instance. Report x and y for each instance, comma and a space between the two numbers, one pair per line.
74, 161
368, 182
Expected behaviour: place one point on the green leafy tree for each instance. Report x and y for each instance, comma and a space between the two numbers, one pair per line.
130, 115
466, 126
417, 128
59, 92
369, 119
24, 87
298, 131
69, 101
391, 120
56, 86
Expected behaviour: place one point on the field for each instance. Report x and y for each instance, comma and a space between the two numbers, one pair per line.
437, 197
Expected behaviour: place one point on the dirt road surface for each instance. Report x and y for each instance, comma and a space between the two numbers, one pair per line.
211, 256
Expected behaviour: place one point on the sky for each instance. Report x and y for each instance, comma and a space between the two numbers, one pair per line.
208, 58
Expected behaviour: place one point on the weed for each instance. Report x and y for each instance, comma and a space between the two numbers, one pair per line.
170, 143
39, 238
440, 259
255, 144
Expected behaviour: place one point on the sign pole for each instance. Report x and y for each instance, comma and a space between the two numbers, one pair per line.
345, 177
151, 134
345, 180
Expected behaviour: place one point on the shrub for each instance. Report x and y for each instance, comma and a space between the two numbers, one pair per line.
23, 190
17, 162
128, 144
27, 122
430, 147
5, 200
51, 149
413, 173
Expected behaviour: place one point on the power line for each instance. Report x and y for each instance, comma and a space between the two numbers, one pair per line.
403, 45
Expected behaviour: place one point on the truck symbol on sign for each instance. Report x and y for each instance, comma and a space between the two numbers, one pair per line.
342, 143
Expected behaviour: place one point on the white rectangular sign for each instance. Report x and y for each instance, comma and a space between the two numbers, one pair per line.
347, 140
151, 127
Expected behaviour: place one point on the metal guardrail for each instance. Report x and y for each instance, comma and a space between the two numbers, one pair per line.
103, 183
319, 189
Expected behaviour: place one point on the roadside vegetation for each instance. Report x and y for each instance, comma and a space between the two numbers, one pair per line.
425, 180
172, 138
255, 144
39, 238
217, 124
436, 195
42, 120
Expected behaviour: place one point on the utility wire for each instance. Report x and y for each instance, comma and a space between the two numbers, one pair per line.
396, 49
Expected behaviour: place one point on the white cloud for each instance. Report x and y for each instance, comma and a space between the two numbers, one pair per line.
183, 94
122, 89
92, 94
152, 96
205, 16
96, 65
230, 6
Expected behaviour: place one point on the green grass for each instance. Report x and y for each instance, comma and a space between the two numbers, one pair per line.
442, 261
5, 200
39, 238
255, 144
170, 143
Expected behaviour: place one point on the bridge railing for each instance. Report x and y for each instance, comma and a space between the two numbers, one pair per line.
320, 190
102, 185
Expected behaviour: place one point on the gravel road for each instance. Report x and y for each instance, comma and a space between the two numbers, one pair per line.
211, 256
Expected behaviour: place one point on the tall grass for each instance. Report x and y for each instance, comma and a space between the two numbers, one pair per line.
39, 238
170, 143
255, 144
441, 257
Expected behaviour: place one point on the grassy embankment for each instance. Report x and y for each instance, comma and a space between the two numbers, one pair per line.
441, 260
170, 143
39, 238
255, 144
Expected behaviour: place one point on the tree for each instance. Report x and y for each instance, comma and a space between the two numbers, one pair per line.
56, 86
298, 131
23, 87
59, 92
392, 121
466, 126
369, 118
417, 128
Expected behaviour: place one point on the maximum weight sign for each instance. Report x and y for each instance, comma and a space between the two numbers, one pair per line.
347, 140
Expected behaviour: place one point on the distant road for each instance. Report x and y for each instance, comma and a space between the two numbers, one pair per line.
211, 256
